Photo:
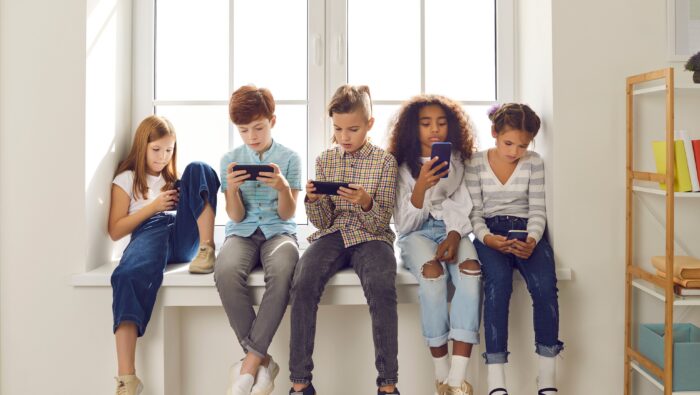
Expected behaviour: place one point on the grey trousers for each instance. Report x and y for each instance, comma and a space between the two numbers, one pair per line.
237, 258
375, 264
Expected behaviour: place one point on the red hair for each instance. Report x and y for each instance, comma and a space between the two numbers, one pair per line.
249, 103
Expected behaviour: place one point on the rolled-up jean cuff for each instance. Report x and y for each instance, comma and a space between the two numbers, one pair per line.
549, 351
464, 336
248, 346
383, 382
499, 357
300, 381
140, 328
437, 341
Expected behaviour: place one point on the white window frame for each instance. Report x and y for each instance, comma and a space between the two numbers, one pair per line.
326, 57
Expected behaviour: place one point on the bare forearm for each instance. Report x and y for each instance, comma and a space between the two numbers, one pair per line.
418, 196
124, 226
286, 204
234, 206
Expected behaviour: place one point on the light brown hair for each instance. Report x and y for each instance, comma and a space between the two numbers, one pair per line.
152, 128
516, 116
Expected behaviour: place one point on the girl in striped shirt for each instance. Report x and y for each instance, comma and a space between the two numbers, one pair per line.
506, 184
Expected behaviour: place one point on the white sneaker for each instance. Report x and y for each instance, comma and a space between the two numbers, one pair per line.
265, 379
233, 374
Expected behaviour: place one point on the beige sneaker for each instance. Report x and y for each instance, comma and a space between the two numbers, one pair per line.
464, 389
128, 385
441, 388
203, 263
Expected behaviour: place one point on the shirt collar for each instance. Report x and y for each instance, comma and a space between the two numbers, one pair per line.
361, 153
265, 154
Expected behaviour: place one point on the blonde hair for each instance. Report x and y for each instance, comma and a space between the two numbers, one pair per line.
351, 98
152, 128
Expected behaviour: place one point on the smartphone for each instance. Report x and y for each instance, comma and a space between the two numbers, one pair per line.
443, 151
517, 235
328, 187
177, 184
253, 170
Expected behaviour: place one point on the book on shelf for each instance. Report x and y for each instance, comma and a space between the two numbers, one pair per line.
680, 281
683, 291
681, 179
696, 151
690, 157
684, 267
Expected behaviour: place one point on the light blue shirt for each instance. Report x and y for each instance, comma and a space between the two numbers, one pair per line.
260, 201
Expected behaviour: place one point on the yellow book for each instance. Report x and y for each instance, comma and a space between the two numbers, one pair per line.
681, 179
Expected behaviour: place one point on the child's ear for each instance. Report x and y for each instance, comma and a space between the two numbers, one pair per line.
273, 120
370, 123
494, 134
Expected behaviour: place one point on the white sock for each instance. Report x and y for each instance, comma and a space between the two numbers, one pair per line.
442, 368
245, 382
547, 372
496, 376
458, 370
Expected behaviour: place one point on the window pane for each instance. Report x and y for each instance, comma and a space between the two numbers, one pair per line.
384, 47
202, 135
383, 116
482, 126
270, 46
191, 59
460, 54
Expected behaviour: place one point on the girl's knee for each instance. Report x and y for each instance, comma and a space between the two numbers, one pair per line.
470, 268
431, 270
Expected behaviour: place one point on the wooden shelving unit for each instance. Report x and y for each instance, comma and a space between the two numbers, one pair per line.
635, 276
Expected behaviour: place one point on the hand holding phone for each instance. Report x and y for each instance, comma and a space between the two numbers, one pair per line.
328, 187
517, 235
442, 150
253, 170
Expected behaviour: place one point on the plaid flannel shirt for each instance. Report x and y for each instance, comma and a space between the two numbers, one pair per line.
374, 169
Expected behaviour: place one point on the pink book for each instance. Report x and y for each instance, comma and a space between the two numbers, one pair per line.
696, 150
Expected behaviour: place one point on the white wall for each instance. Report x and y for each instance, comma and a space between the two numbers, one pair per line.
51, 335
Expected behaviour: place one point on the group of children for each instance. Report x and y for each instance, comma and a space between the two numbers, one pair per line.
435, 207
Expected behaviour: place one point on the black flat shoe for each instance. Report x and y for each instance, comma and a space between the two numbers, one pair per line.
549, 390
394, 392
310, 390
498, 391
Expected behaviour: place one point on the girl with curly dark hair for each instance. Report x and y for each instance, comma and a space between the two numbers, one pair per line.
432, 218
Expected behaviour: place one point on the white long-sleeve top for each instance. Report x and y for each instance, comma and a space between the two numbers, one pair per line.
448, 200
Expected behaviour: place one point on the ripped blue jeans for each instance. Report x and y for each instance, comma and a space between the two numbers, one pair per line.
461, 321
541, 279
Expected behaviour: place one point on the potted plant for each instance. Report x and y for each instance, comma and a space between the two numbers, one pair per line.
693, 65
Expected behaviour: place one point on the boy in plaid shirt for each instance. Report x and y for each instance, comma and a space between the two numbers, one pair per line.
353, 231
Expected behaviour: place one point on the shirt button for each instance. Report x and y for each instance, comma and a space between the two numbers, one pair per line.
260, 218
257, 185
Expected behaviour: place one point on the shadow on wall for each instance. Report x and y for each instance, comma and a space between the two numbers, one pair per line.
108, 117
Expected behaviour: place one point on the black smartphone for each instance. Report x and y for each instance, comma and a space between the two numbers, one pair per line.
253, 170
517, 235
177, 184
328, 187
443, 151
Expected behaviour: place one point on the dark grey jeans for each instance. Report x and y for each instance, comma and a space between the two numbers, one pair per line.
375, 264
237, 258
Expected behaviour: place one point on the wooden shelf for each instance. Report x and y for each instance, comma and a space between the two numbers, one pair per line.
662, 192
662, 88
658, 293
656, 382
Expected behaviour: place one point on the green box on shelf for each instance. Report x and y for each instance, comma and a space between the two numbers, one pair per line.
686, 352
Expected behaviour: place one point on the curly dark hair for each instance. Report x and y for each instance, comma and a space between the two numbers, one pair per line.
404, 142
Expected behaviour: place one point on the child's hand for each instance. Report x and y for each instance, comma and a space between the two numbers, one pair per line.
523, 250
499, 243
234, 179
427, 178
447, 250
166, 201
356, 194
274, 180
310, 189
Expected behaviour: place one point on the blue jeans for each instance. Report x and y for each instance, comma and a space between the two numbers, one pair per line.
163, 238
461, 322
541, 279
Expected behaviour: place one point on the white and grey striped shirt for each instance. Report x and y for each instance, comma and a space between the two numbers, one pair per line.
521, 196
